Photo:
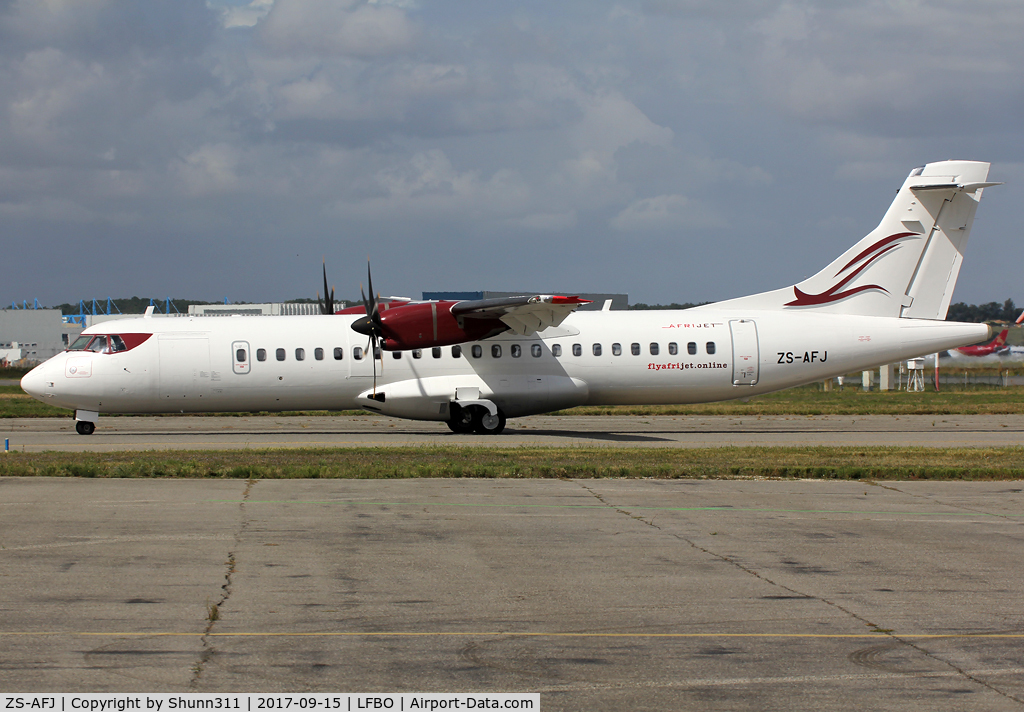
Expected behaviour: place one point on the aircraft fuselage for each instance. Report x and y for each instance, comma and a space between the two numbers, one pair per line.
209, 364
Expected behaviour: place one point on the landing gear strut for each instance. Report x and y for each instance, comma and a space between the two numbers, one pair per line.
84, 427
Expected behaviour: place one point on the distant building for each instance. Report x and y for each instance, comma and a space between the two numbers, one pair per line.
619, 301
269, 309
37, 334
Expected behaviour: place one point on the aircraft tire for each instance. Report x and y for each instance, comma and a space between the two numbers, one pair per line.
487, 424
84, 427
462, 420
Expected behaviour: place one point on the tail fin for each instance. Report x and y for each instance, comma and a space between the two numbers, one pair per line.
1001, 339
905, 267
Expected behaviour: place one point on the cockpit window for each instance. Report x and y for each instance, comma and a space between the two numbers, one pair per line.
107, 343
99, 344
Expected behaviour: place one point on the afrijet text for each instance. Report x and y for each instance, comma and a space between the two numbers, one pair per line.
710, 325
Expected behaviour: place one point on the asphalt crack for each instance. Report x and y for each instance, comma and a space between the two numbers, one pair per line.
208, 650
761, 577
951, 505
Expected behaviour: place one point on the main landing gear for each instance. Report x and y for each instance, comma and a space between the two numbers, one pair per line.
475, 419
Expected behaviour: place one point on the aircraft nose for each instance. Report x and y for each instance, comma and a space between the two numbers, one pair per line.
34, 382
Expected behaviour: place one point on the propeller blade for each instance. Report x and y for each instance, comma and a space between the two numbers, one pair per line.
369, 283
327, 307
371, 310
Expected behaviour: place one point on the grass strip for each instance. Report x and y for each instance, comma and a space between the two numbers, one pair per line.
828, 463
805, 400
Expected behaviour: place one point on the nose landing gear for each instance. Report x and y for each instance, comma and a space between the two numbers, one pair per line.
85, 421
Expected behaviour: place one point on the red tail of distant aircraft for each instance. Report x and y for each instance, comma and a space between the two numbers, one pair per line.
996, 344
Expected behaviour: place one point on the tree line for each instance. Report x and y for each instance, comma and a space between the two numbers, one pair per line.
961, 311
978, 313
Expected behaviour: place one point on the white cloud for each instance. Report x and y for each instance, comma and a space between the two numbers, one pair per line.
549, 222
666, 212
428, 186
839, 62
209, 169
337, 27
54, 87
245, 15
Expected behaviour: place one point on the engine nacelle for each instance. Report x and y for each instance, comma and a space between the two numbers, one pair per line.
427, 324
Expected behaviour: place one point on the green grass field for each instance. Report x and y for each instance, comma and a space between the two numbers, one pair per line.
806, 400
843, 463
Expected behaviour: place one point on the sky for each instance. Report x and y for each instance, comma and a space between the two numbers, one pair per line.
674, 150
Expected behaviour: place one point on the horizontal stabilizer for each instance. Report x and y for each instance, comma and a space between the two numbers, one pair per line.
960, 187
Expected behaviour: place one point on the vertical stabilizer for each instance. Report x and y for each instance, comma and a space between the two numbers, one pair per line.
905, 267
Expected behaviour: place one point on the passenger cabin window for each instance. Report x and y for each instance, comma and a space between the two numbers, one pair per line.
597, 349
357, 353
616, 349
261, 354
396, 355
436, 352
240, 355
655, 349
577, 350
339, 353
300, 354
516, 350
417, 353
634, 349
495, 350
456, 351
280, 354
556, 350
673, 348
711, 347
477, 350
318, 354
376, 352
691, 348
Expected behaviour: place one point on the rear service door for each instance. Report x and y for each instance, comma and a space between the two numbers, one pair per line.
744, 352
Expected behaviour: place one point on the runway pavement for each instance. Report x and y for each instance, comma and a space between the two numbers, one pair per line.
599, 594
186, 432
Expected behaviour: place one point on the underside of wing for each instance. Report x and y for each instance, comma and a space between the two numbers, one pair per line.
522, 315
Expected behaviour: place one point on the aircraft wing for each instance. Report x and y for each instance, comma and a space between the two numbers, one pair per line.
522, 315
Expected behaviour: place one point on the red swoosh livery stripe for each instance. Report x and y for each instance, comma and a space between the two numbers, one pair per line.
832, 294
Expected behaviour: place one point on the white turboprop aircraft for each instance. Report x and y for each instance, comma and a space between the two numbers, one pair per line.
474, 364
